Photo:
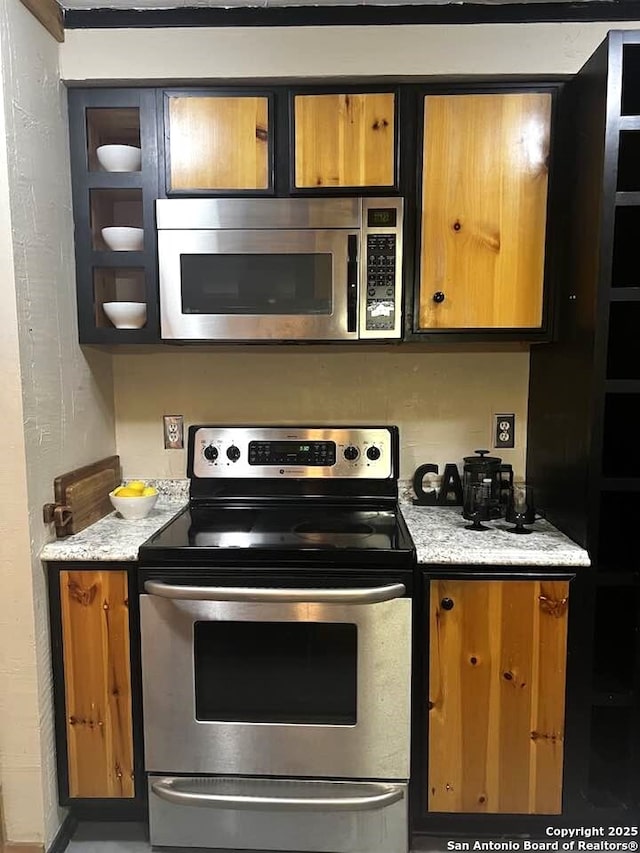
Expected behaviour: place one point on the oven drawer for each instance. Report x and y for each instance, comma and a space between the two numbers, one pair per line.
278, 814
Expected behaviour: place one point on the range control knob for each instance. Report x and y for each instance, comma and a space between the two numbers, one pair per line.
373, 453
233, 453
351, 453
211, 453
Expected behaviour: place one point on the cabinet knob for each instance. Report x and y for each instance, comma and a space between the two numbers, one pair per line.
447, 604
438, 296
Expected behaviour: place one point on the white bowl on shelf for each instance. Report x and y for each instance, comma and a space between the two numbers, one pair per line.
133, 508
126, 315
119, 158
120, 238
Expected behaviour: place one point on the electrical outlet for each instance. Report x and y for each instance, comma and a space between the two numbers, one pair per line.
173, 429
504, 434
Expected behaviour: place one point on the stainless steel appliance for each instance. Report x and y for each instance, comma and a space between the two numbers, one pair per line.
276, 645
280, 268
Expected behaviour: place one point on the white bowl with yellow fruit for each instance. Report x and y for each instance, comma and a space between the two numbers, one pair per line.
134, 500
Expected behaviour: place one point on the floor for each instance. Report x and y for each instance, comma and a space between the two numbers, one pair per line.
132, 838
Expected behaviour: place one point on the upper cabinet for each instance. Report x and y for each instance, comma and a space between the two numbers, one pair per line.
483, 211
114, 158
218, 142
481, 206
344, 140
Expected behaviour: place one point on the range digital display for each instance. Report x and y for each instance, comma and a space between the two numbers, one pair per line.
292, 453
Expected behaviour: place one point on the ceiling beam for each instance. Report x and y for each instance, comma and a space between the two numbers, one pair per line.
49, 13
351, 13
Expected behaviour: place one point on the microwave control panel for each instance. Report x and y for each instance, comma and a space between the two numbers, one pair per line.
381, 277
381, 282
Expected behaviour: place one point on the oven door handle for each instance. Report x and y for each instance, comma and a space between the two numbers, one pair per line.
370, 595
385, 795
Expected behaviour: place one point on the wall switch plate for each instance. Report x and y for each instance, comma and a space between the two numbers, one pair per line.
504, 433
173, 429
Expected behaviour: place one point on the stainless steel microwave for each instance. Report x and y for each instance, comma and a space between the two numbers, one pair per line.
321, 269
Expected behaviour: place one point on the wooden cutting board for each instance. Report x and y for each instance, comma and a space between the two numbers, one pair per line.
82, 496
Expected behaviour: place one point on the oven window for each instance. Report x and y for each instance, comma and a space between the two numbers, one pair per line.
276, 672
256, 284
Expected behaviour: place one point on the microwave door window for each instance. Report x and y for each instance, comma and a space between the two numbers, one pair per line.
257, 284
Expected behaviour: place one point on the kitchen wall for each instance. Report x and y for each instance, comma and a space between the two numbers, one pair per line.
229, 52
442, 400
56, 400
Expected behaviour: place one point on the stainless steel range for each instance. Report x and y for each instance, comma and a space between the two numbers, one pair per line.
276, 645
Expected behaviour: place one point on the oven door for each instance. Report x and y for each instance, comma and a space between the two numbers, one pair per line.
258, 285
273, 682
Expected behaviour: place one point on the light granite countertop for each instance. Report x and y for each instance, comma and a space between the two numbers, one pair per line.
441, 539
112, 538
115, 539
438, 533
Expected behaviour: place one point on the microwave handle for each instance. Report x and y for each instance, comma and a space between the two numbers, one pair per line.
352, 283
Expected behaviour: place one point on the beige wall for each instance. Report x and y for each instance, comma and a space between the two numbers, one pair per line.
442, 401
228, 52
57, 403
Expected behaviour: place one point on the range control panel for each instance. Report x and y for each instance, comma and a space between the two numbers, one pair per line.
292, 452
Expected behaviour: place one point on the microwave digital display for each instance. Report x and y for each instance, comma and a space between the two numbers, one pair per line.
381, 217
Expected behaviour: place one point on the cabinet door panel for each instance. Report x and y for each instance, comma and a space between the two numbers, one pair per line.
484, 200
497, 667
97, 673
344, 140
218, 143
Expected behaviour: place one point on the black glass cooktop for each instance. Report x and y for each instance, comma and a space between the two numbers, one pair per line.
237, 533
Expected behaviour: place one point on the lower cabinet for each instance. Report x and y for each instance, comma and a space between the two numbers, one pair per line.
94, 709
497, 667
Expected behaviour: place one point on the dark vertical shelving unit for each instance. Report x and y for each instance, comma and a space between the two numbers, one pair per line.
584, 412
101, 199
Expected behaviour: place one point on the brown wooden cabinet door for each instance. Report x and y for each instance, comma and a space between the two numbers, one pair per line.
344, 140
97, 676
218, 143
497, 664
484, 202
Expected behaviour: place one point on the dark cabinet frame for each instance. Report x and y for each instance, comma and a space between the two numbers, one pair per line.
576, 461
153, 183
164, 133
83, 182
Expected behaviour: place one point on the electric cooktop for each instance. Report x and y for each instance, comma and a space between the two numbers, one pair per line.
288, 495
